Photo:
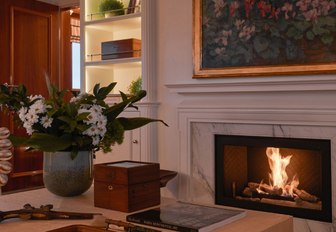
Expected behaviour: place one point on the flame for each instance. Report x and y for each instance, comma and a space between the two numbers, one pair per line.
278, 176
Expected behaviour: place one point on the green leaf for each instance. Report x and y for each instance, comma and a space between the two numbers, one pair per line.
18, 140
133, 123
113, 112
260, 44
310, 35
47, 142
95, 89
82, 116
327, 39
292, 32
317, 30
104, 91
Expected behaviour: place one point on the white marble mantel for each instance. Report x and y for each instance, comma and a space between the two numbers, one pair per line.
281, 111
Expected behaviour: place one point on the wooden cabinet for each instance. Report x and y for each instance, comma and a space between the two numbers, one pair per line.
140, 144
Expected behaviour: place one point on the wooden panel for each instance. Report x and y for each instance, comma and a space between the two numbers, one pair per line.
30, 32
29, 64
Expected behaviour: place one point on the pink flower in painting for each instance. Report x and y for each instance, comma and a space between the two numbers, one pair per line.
238, 23
264, 8
326, 6
246, 33
248, 7
303, 5
287, 8
206, 21
315, 3
219, 5
233, 8
219, 50
224, 39
311, 15
275, 13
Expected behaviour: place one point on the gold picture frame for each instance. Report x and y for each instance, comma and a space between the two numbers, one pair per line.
208, 33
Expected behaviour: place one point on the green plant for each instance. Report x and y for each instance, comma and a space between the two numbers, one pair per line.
85, 122
135, 86
112, 6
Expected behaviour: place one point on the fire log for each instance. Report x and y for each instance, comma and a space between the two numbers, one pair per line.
303, 204
265, 188
305, 196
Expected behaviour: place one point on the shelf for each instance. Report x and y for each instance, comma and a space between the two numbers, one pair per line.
127, 62
129, 20
95, 59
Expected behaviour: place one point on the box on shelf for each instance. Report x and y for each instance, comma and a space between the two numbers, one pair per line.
126, 186
124, 48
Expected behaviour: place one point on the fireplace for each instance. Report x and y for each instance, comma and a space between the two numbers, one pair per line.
282, 175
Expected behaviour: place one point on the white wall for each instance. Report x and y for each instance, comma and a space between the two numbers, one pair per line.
176, 88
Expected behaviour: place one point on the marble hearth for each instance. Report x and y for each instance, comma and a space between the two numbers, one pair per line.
198, 127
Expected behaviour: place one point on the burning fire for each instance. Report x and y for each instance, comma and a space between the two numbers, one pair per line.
278, 176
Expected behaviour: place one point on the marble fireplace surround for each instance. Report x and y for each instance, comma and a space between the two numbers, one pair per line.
198, 123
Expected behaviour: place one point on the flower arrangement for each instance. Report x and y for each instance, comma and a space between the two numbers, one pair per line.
85, 122
263, 32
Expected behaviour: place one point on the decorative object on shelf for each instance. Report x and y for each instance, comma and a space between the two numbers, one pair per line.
85, 123
111, 8
123, 48
135, 86
45, 212
5, 155
263, 38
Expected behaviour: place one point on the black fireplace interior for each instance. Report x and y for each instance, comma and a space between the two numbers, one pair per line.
246, 175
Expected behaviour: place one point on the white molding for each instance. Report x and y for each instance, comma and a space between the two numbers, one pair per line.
148, 26
252, 84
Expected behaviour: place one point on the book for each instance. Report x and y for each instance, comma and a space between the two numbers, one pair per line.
186, 217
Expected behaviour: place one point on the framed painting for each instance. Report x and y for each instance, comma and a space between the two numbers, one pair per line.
263, 37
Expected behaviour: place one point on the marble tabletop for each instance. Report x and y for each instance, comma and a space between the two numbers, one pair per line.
254, 221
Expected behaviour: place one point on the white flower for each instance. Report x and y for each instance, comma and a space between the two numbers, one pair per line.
46, 121
31, 116
29, 127
95, 140
22, 113
39, 107
34, 97
92, 131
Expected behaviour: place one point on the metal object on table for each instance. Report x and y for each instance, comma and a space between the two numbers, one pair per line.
43, 213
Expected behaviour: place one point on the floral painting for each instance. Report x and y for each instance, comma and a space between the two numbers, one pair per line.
265, 33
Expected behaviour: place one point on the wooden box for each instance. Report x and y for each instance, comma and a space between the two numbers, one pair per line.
126, 186
121, 49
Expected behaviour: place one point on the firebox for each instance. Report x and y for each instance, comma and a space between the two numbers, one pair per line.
282, 175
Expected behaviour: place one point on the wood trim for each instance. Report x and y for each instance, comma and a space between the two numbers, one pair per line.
29, 173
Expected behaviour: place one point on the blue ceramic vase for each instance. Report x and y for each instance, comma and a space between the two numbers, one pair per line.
67, 177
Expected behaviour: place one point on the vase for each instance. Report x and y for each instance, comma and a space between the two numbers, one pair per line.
66, 177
